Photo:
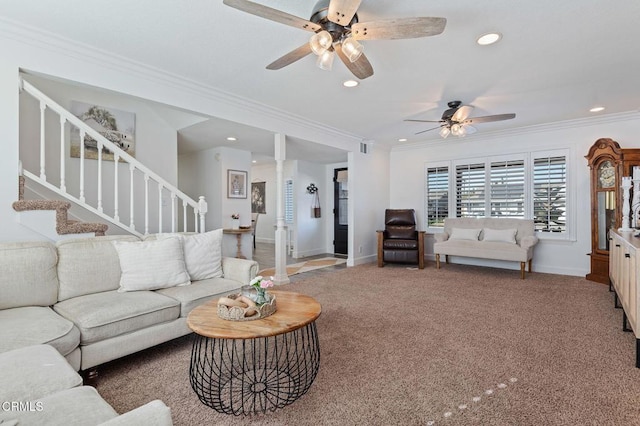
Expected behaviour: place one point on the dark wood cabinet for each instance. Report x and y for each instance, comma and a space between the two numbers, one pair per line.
608, 163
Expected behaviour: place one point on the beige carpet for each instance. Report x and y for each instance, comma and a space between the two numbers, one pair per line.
458, 346
307, 266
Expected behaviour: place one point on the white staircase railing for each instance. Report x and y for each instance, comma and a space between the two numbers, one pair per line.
136, 170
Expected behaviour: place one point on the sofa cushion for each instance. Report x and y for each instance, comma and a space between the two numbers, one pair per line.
108, 314
499, 235
88, 265
151, 265
33, 372
79, 406
28, 275
200, 292
34, 325
465, 234
202, 253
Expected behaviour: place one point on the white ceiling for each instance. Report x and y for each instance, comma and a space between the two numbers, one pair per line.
556, 60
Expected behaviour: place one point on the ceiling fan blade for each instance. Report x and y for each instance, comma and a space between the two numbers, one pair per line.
469, 130
361, 68
488, 118
290, 57
426, 121
392, 29
462, 113
273, 15
428, 130
341, 11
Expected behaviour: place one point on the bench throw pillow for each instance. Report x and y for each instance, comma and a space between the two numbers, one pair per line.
151, 265
464, 234
202, 253
500, 235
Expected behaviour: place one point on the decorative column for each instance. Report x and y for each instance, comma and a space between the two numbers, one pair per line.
635, 203
626, 186
281, 276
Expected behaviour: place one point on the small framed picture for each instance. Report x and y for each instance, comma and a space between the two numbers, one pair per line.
236, 184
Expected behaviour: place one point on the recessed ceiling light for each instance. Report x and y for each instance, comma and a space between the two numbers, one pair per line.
231, 138
597, 109
350, 83
488, 38
402, 140
254, 161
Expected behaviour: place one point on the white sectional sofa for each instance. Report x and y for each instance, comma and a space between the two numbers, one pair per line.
487, 238
70, 295
39, 387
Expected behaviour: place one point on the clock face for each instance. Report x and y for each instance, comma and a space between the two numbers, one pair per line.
606, 175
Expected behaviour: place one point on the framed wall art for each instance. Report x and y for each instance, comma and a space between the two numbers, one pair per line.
236, 184
258, 197
117, 126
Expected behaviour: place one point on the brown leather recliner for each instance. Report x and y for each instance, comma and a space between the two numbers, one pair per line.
400, 242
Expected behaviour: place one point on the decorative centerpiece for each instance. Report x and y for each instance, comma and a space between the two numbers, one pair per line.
254, 302
235, 221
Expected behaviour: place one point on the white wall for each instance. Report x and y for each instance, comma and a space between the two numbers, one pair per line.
205, 173
309, 237
50, 55
155, 147
369, 176
563, 257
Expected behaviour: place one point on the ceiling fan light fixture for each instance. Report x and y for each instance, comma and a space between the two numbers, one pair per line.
445, 131
320, 42
352, 49
325, 60
455, 129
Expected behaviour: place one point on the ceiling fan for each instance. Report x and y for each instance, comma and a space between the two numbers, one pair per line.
336, 30
456, 121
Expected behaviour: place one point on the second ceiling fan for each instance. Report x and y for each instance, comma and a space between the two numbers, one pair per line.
337, 30
456, 121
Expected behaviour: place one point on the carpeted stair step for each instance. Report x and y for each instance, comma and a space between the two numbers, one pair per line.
63, 224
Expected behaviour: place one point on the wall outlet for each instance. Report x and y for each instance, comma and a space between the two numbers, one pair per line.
360, 249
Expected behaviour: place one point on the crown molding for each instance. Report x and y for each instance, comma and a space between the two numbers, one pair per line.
536, 128
60, 45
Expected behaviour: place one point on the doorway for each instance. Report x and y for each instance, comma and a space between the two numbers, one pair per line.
340, 211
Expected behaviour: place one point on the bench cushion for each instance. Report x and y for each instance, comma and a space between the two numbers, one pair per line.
482, 250
108, 314
36, 325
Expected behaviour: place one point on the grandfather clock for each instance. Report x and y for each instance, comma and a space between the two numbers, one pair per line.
608, 163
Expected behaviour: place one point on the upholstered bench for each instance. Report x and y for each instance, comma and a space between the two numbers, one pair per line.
487, 238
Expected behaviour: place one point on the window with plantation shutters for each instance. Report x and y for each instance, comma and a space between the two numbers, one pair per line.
288, 201
550, 194
506, 190
437, 196
470, 190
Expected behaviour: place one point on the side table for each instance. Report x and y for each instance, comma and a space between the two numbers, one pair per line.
238, 233
247, 367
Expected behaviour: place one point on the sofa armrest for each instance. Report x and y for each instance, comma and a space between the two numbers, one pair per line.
241, 270
153, 413
528, 242
441, 237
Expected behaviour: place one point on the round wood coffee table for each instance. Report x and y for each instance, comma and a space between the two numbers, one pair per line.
246, 367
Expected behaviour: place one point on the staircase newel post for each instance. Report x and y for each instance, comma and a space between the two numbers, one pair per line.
202, 209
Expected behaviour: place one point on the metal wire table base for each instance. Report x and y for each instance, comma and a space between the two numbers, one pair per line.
248, 376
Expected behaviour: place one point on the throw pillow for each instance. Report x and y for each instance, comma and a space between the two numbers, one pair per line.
464, 234
202, 253
151, 265
500, 235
